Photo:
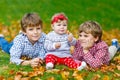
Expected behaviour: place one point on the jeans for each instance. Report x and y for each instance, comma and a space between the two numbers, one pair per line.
5, 45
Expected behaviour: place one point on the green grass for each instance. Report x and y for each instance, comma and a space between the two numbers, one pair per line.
6, 67
106, 12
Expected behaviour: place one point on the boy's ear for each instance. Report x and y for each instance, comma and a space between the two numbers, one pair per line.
96, 39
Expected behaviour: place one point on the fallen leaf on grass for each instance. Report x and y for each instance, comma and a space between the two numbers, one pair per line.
37, 78
106, 68
117, 59
18, 76
96, 77
11, 72
116, 74
112, 67
106, 77
10, 78
77, 76
40, 68
88, 68
2, 78
51, 78
37, 71
25, 78
118, 67
65, 75
32, 74
53, 71
5, 67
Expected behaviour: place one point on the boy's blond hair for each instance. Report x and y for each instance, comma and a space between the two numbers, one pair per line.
30, 19
91, 27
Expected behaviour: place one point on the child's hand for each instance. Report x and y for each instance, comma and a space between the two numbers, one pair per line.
57, 45
35, 62
70, 37
40, 61
87, 45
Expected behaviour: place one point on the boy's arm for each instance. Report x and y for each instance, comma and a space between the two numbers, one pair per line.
97, 59
15, 51
42, 53
33, 63
78, 53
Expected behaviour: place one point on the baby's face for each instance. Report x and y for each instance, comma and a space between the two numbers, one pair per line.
60, 27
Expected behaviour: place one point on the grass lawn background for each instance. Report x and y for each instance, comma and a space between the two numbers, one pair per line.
106, 12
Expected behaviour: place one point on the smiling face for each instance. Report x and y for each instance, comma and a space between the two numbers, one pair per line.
90, 32
33, 33
60, 27
87, 39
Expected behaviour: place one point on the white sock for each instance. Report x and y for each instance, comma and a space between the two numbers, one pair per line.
49, 65
1, 35
83, 65
112, 50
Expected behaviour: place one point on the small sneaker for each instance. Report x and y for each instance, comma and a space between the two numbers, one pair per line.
83, 65
115, 43
1, 35
49, 65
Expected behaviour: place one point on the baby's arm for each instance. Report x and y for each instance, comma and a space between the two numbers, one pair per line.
71, 39
49, 45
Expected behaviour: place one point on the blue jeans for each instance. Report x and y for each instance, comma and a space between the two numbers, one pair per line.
5, 45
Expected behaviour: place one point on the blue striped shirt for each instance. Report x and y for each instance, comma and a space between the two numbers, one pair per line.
23, 47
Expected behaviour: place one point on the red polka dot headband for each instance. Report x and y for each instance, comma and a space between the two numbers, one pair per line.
58, 17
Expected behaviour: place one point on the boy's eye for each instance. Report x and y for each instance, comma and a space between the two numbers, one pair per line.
38, 28
85, 35
30, 29
80, 35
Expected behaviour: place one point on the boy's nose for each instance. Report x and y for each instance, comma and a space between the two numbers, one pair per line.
81, 38
35, 31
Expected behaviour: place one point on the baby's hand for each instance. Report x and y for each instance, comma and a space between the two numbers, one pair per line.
70, 37
57, 45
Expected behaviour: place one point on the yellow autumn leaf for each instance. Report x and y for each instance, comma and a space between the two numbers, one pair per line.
96, 77
106, 77
65, 75
77, 76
